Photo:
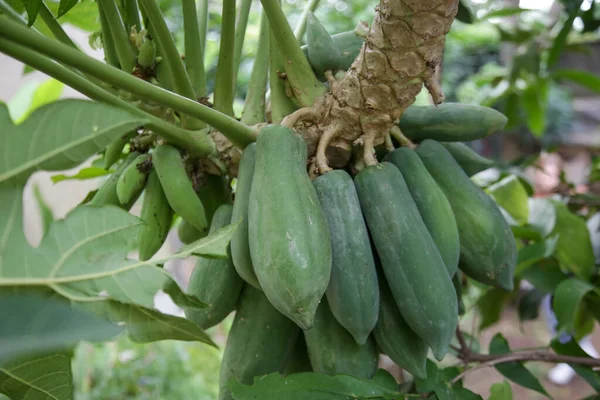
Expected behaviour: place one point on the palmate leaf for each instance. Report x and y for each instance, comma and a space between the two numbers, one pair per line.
42, 377
32, 323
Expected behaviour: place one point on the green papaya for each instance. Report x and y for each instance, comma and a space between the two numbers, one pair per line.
133, 179
469, 160
178, 187
332, 350
488, 250
299, 361
395, 338
107, 194
412, 264
240, 243
352, 293
323, 55
348, 45
289, 238
214, 281
432, 203
451, 122
157, 215
261, 341
115, 149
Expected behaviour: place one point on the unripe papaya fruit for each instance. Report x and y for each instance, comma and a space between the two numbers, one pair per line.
260, 341
299, 361
413, 266
289, 238
133, 179
352, 293
469, 160
214, 281
107, 194
488, 250
323, 55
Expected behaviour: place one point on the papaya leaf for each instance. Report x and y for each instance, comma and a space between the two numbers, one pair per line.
571, 348
512, 196
542, 215
33, 323
567, 303
533, 253
211, 246
434, 377
315, 386
41, 377
535, 103
181, 298
82, 14
464, 14
145, 325
501, 391
586, 79
515, 371
545, 275
46, 215
82, 174
522, 232
65, 6
490, 306
574, 247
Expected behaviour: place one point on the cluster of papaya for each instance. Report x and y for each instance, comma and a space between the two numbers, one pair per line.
328, 274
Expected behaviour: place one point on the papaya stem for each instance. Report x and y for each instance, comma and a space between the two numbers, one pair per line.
198, 142
54, 26
171, 57
397, 134
321, 156
300, 28
202, 23
369, 150
194, 55
110, 54
240, 35
300, 75
254, 105
125, 53
224, 80
132, 15
303, 114
281, 104
240, 134
389, 145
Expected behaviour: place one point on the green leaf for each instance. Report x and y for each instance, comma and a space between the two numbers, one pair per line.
535, 103
527, 233
82, 174
434, 377
545, 275
542, 215
571, 348
83, 15
32, 323
511, 195
561, 38
530, 254
46, 215
211, 246
515, 371
504, 12
567, 303
65, 6
60, 135
181, 298
529, 304
586, 79
313, 386
501, 391
144, 325
33, 8
464, 13
45, 93
574, 248
44, 377
490, 306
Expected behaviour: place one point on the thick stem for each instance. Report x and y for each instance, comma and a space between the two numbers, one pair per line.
202, 23
301, 25
240, 134
224, 80
254, 105
132, 17
240, 35
281, 104
307, 88
194, 55
198, 143
110, 54
125, 52
54, 26
172, 57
